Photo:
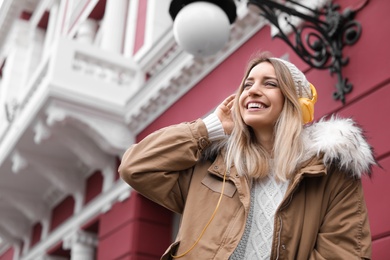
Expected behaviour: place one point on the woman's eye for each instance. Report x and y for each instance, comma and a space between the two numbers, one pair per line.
247, 86
271, 84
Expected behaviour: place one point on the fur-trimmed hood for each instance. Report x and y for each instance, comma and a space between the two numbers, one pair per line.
339, 141
342, 143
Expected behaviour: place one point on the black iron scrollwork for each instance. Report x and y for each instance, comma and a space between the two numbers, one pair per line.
320, 39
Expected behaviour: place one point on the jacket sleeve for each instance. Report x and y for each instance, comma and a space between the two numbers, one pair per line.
345, 231
160, 166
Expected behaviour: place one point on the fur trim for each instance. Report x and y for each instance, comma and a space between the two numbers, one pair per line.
342, 143
339, 141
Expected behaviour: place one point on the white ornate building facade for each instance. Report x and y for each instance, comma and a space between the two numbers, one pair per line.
82, 80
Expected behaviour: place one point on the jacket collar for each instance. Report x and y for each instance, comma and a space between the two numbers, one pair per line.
313, 167
340, 143
218, 167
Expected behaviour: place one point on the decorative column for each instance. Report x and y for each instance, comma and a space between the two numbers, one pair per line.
87, 31
114, 25
15, 71
82, 245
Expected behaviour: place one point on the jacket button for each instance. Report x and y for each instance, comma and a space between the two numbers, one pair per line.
284, 247
216, 167
203, 143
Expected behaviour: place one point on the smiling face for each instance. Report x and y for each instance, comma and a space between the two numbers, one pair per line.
261, 100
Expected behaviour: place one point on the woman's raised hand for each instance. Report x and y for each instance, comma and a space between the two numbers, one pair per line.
224, 113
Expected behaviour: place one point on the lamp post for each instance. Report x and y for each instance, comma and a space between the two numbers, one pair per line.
318, 40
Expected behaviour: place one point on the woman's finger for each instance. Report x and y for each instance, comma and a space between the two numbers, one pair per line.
229, 101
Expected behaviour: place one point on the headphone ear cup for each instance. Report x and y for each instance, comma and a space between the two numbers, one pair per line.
307, 108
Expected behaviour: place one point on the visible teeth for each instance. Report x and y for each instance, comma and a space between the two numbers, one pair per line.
255, 105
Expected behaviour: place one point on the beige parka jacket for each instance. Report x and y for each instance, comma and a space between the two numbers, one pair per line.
322, 216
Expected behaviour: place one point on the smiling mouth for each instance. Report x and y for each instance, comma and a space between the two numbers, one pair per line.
255, 105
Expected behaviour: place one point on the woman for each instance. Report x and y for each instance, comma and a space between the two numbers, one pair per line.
254, 180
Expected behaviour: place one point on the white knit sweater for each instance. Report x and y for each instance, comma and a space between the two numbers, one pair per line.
256, 243
266, 195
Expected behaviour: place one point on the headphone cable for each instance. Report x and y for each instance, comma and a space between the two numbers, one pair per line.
208, 223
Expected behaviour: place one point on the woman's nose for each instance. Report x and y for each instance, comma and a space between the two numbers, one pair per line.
255, 90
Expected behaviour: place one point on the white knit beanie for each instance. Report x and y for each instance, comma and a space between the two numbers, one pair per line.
302, 86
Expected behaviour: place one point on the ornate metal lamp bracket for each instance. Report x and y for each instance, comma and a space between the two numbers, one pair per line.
320, 39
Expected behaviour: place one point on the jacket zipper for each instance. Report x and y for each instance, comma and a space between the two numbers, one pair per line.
280, 218
290, 196
280, 232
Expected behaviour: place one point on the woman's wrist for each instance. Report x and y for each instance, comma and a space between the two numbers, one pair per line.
214, 127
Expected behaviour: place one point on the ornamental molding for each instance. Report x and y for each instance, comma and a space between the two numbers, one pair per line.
81, 146
19, 163
25, 111
111, 135
14, 224
80, 237
42, 131
88, 212
8, 237
64, 179
9, 12
103, 70
57, 172
53, 196
29, 205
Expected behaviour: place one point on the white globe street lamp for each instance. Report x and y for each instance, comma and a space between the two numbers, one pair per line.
201, 28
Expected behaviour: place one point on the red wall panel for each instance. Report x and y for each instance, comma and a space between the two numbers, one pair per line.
121, 240
377, 196
62, 212
372, 113
94, 186
141, 25
136, 207
136, 227
8, 255
36, 234
135, 239
119, 214
380, 249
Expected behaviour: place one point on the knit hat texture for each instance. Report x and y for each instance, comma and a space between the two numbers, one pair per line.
302, 86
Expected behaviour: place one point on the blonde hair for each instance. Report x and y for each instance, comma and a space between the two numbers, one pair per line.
243, 150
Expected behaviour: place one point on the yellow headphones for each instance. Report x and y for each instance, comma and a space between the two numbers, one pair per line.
307, 106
